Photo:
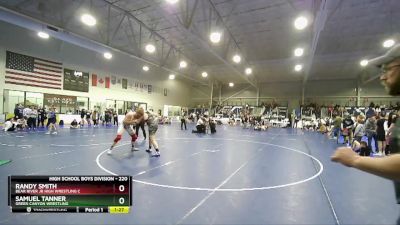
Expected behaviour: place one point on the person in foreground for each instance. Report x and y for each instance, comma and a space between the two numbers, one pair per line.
387, 167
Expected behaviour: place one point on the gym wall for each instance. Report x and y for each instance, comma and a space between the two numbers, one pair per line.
26, 42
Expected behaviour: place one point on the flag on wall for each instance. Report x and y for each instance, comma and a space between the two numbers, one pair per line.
107, 84
130, 84
99, 81
136, 86
124, 84
30, 71
113, 80
141, 87
94, 80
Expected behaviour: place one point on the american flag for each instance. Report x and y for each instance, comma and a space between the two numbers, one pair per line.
30, 71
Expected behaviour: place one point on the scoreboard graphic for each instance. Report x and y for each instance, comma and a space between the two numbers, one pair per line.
76, 80
70, 194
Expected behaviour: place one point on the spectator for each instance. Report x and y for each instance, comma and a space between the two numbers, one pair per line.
200, 127
370, 130
10, 124
74, 124
387, 167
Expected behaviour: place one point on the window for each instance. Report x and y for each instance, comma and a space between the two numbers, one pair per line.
134, 106
82, 103
110, 104
120, 107
11, 99
33, 98
172, 111
64, 104
98, 105
143, 105
128, 106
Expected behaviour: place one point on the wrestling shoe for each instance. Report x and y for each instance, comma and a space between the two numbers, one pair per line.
156, 154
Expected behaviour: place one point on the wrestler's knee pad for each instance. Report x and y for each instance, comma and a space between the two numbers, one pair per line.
134, 137
118, 138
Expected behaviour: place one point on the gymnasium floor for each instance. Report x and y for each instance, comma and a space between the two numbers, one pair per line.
236, 176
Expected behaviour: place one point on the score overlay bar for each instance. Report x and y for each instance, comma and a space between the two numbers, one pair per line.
75, 194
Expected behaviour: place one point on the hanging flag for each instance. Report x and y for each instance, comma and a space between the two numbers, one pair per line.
100, 81
130, 84
135, 84
94, 80
107, 82
113, 80
30, 71
124, 84
141, 87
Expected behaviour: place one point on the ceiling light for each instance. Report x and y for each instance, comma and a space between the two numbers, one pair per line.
231, 84
88, 19
107, 55
182, 64
388, 43
215, 37
204, 74
298, 52
150, 48
172, 1
43, 35
248, 71
300, 23
145, 68
364, 62
236, 58
298, 67
171, 77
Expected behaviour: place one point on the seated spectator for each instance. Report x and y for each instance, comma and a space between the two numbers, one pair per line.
231, 122
10, 124
200, 127
365, 150
21, 124
260, 126
74, 124
322, 129
307, 125
263, 127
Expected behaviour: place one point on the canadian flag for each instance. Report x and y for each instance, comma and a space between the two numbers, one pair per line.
94, 80
99, 81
